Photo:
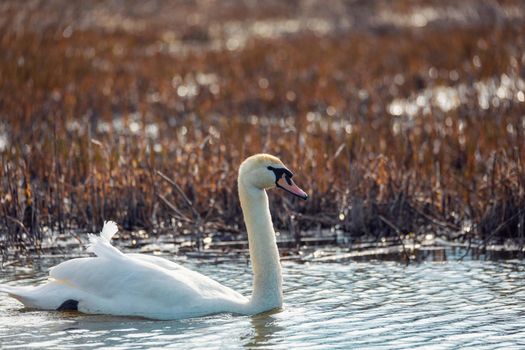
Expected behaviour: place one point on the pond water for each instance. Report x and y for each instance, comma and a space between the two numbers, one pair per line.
359, 305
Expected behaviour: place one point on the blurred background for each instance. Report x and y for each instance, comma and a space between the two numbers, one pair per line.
399, 118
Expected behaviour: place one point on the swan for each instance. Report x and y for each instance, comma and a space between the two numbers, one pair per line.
147, 286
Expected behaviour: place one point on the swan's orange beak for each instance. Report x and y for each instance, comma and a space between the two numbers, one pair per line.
287, 184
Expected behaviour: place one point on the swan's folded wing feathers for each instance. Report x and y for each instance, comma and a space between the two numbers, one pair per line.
124, 281
109, 230
103, 248
101, 245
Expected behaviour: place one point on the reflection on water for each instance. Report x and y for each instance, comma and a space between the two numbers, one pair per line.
479, 304
264, 329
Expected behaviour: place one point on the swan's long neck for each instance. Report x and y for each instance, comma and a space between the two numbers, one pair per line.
267, 277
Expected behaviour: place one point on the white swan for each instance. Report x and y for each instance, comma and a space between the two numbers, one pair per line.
152, 287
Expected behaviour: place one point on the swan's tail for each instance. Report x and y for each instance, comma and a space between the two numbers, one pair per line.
24, 294
5, 289
47, 296
15, 291
101, 245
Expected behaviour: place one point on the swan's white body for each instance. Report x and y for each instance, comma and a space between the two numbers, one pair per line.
148, 286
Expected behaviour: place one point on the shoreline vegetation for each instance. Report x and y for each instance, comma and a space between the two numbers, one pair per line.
400, 120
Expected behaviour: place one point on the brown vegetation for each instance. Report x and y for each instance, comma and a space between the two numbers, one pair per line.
89, 115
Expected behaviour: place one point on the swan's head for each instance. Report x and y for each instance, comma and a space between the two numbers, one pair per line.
264, 171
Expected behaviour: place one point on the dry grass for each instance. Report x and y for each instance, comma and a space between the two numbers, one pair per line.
91, 114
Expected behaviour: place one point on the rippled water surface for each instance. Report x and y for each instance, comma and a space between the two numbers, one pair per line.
375, 305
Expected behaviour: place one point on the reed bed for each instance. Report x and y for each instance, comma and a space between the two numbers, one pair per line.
393, 130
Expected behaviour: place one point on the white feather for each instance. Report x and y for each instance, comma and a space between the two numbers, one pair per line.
109, 230
101, 245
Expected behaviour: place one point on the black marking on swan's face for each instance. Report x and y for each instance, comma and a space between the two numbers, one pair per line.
283, 180
68, 305
279, 172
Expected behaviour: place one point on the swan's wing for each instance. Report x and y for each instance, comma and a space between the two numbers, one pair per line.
161, 277
135, 285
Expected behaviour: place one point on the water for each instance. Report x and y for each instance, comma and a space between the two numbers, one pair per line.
358, 305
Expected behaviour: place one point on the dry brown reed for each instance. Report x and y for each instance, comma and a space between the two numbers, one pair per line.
91, 115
